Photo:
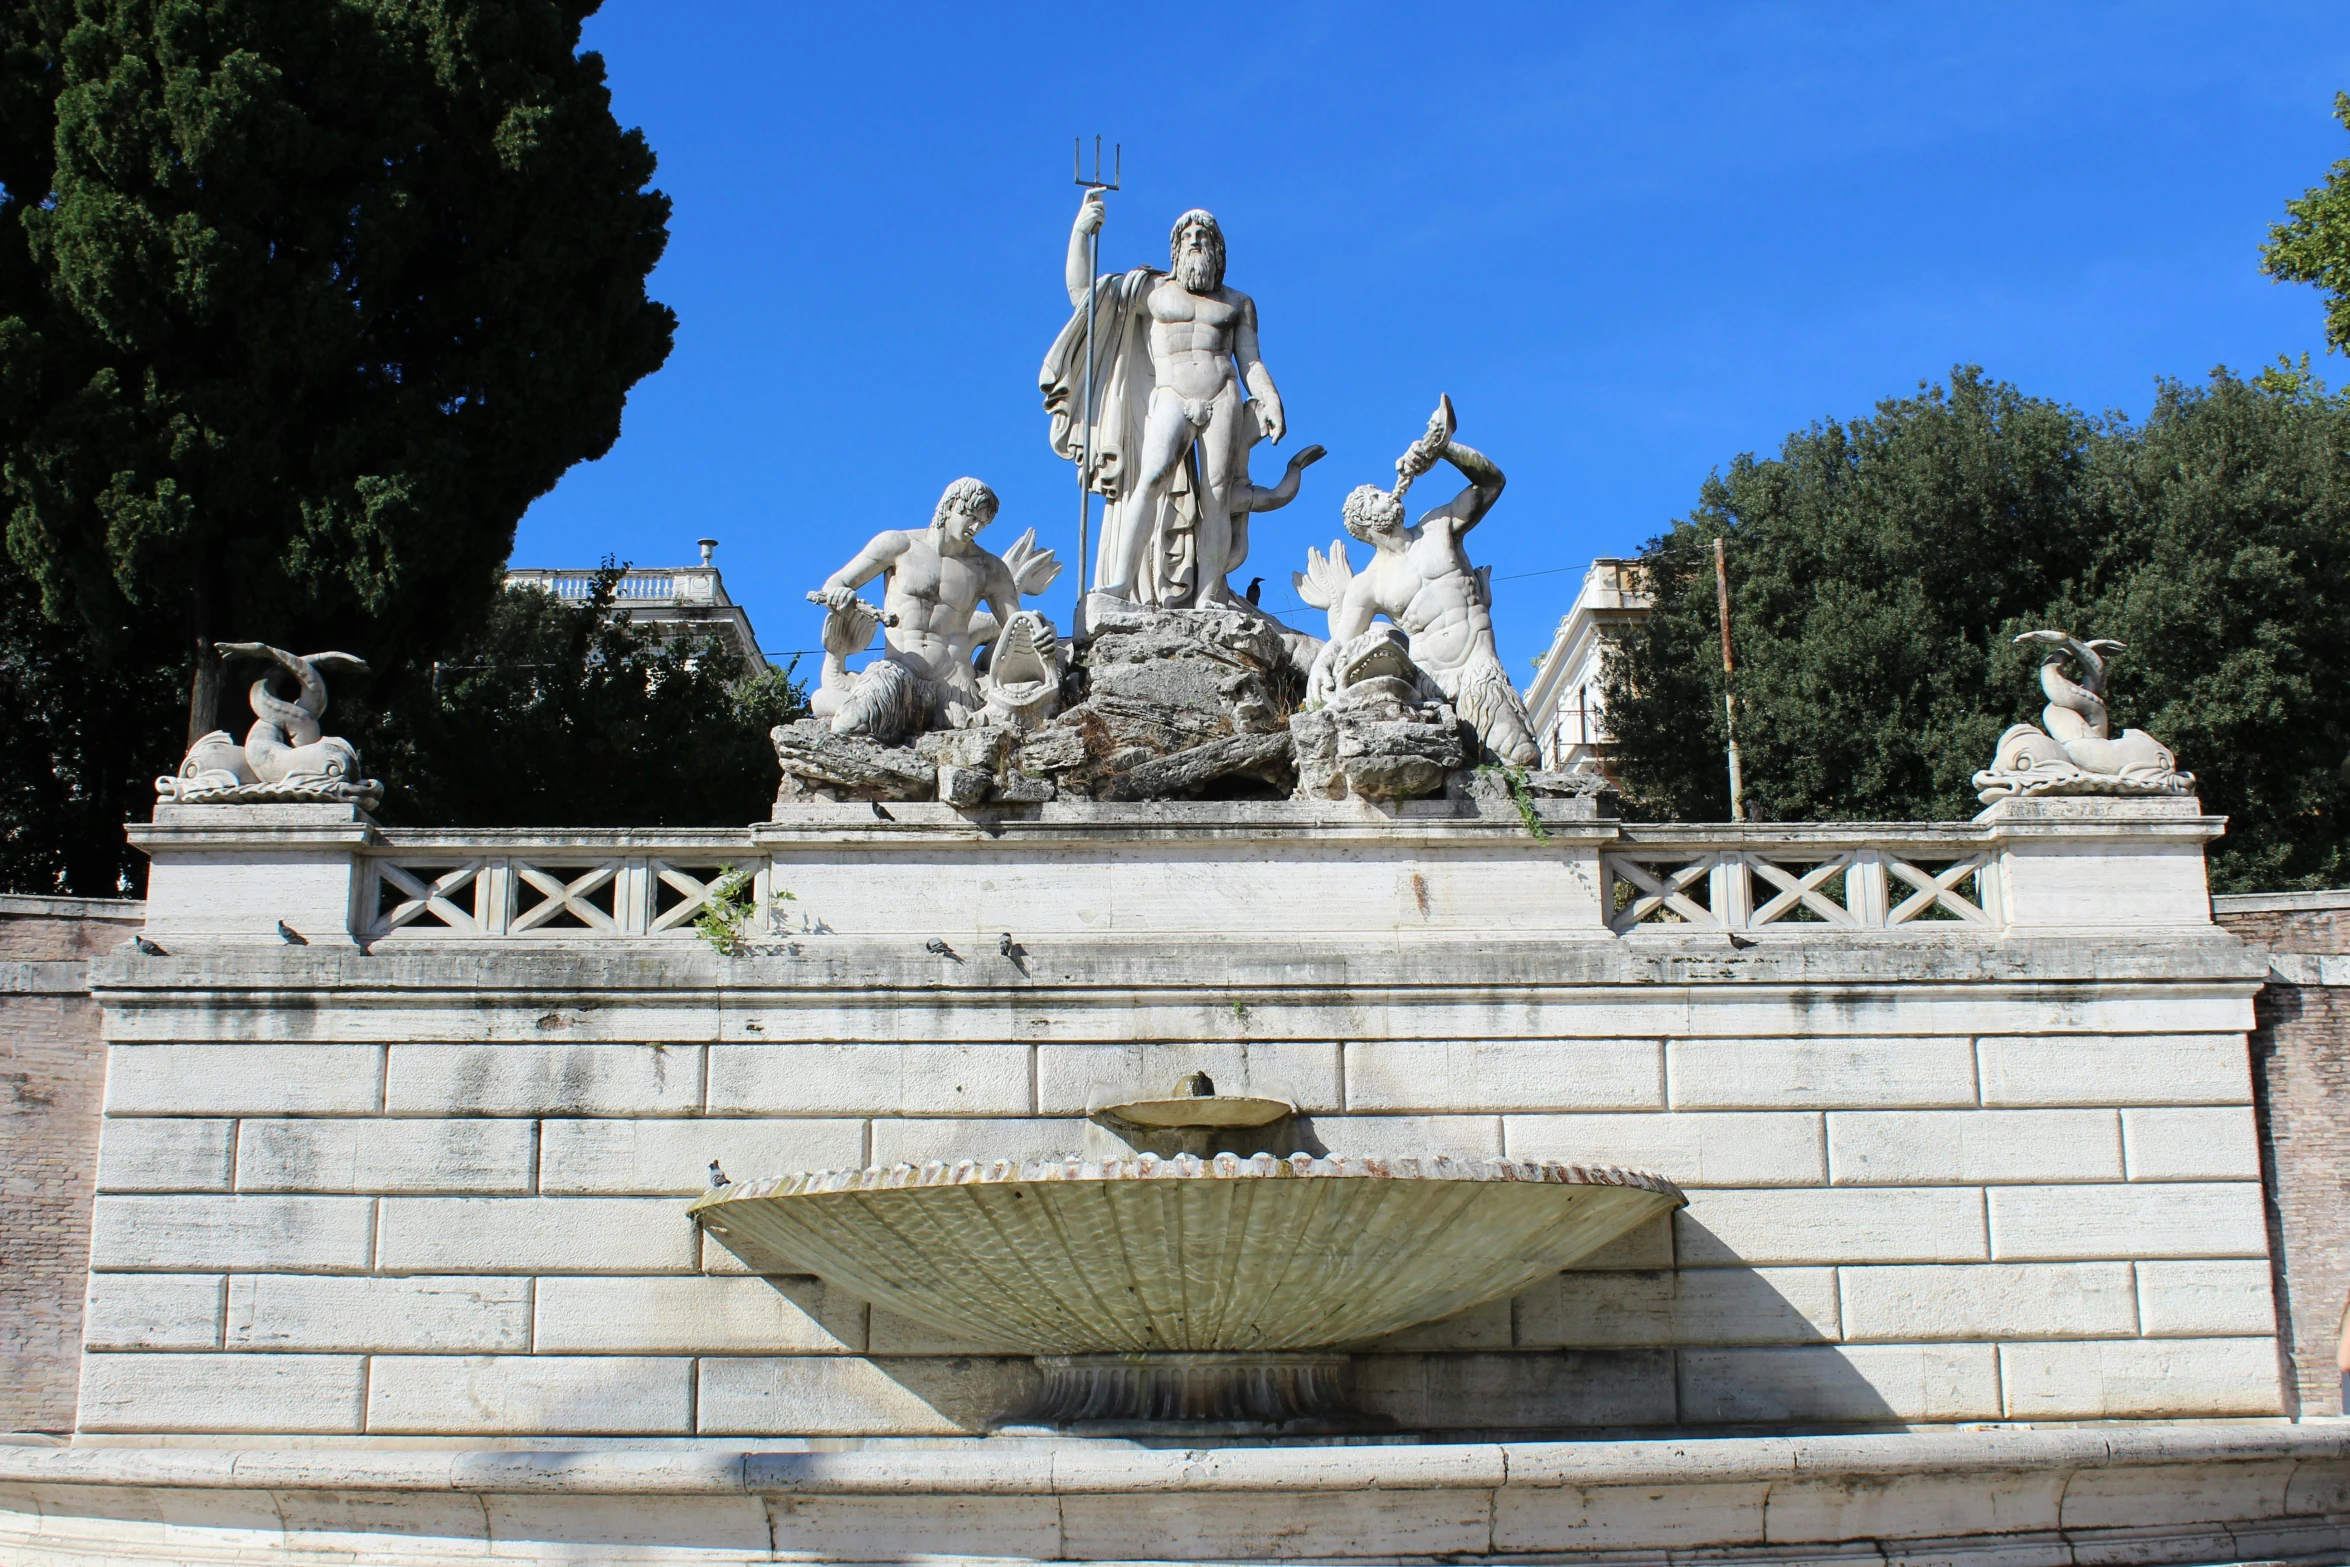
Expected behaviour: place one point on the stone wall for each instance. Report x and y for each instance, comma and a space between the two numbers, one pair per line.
52, 1068
2301, 1081
1997, 1165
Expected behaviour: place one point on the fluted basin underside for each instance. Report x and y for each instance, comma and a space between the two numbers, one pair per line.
1072, 1257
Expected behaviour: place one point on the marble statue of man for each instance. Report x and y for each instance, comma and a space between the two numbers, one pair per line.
1420, 578
938, 578
1176, 366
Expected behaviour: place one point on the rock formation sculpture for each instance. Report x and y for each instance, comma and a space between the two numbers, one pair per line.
285, 758
1420, 578
1378, 733
2072, 753
1177, 392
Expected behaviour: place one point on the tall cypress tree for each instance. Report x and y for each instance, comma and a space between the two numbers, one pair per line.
302, 302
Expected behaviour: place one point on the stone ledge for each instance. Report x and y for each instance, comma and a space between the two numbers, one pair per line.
45, 977
1073, 1468
689, 973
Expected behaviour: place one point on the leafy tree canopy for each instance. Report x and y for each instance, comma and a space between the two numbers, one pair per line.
302, 302
1880, 569
563, 714
2313, 244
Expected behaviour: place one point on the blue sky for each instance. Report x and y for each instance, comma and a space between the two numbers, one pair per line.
1630, 241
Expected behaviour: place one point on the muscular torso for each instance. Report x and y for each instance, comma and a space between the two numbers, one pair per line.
1192, 337
1429, 589
933, 596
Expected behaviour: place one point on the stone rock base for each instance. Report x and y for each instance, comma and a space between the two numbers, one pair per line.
1378, 749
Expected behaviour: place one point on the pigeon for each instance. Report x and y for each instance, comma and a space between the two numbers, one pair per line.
1256, 588
717, 1176
290, 936
1005, 944
1737, 940
881, 814
149, 948
942, 949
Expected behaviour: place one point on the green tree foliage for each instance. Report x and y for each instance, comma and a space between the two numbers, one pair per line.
79, 759
2313, 244
302, 302
568, 715
1880, 569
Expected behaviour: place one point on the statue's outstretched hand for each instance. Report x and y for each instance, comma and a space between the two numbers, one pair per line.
834, 598
1092, 213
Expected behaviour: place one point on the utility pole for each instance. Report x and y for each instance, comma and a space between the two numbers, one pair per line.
1729, 703
1093, 272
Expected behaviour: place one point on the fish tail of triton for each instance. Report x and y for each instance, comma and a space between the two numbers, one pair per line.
1484, 696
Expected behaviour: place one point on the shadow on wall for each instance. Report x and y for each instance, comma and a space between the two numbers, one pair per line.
1628, 1343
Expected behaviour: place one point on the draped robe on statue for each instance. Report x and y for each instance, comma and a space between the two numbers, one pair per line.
1123, 379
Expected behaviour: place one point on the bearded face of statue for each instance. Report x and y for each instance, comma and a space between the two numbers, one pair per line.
1198, 253
1372, 514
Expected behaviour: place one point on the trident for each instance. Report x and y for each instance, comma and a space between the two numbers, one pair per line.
1093, 267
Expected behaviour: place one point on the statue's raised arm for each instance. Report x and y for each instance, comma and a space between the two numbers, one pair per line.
1090, 215
1159, 384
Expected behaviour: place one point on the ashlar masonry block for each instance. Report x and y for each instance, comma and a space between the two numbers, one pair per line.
1865, 1384
697, 1316
1695, 1150
2212, 1143
243, 1079
222, 1394
1831, 1225
319, 1154
621, 1156
840, 1395
522, 1080
2205, 1299
2141, 1379
2139, 1069
1973, 1147
154, 1311
1989, 1301
1819, 1074
1705, 1306
2141, 1220
1073, 1079
537, 1235
278, 1311
572, 1395
1486, 1075
870, 1080
192, 1233
165, 1154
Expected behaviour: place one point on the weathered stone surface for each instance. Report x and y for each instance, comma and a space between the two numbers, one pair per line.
982, 749
964, 785
1170, 698
1265, 757
963, 767
1203, 659
1376, 749
818, 764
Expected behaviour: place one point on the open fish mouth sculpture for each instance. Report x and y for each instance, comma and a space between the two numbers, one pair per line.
1022, 685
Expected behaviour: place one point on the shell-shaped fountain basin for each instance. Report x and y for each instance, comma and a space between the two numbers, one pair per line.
1156, 1255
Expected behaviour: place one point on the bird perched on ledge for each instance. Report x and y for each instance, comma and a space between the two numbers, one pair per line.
717, 1176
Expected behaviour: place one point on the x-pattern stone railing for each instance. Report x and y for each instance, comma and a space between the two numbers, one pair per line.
445, 885
1821, 877
1744, 879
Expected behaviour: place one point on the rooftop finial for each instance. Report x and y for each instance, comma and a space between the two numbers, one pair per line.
709, 548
